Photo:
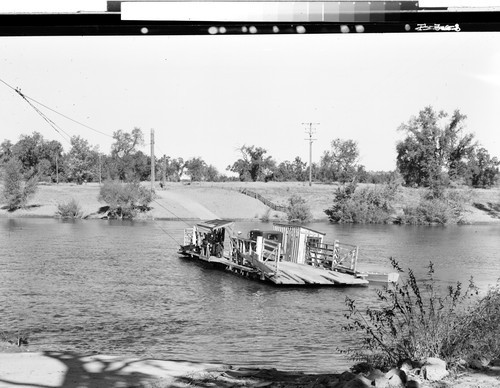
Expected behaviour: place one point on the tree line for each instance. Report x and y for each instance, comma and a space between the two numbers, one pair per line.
37, 157
435, 152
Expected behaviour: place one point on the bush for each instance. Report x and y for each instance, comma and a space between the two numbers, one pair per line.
16, 189
298, 210
266, 216
447, 207
364, 205
125, 200
70, 209
414, 322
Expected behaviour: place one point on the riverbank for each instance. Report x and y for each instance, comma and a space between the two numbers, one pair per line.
207, 200
61, 369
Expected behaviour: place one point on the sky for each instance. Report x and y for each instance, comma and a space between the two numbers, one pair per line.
206, 96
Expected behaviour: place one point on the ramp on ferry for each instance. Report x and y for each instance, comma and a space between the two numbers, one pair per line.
302, 274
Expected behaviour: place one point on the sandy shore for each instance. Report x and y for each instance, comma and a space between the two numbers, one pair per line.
58, 369
68, 370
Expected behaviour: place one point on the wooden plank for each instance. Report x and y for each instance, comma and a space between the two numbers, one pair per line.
347, 279
286, 278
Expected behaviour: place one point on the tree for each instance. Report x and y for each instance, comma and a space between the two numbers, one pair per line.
82, 161
17, 190
434, 153
253, 164
121, 151
483, 169
212, 174
196, 169
284, 172
31, 150
340, 163
126, 143
53, 154
291, 171
5, 151
175, 168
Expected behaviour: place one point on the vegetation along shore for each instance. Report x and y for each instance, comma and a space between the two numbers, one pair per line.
205, 200
442, 176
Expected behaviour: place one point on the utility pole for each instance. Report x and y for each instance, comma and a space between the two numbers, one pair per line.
310, 130
164, 172
152, 160
57, 171
100, 170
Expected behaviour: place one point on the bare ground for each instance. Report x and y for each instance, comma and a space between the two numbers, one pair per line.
61, 369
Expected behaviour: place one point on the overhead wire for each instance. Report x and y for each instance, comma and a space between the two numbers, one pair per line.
57, 128
30, 101
167, 233
171, 212
60, 131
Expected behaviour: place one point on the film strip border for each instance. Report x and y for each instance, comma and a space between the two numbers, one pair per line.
266, 11
301, 17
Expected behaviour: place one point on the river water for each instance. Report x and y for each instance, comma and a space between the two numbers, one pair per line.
115, 287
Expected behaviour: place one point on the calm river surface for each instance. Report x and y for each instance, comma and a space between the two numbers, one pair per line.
120, 288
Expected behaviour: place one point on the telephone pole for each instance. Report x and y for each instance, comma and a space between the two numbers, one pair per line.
310, 130
100, 169
152, 160
57, 171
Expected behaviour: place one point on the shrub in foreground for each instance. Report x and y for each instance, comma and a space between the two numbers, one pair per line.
125, 200
69, 209
414, 321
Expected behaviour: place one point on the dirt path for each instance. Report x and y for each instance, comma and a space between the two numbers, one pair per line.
175, 204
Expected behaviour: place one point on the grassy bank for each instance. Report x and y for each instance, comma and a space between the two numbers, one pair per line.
211, 200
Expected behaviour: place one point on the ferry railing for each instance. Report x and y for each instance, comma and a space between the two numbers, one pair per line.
271, 251
188, 236
337, 256
241, 246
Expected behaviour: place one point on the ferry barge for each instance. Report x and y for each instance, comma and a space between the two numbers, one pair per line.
287, 255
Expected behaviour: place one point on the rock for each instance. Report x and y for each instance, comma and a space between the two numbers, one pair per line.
434, 369
359, 382
406, 366
347, 376
335, 384
378, 378
362, 367
395, 378
396, 372
479, 362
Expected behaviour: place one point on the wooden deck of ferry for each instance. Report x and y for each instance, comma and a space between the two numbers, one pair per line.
263, 259
287, 274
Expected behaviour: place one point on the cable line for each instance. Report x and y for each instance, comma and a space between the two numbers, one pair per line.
49, 121
175, 215
29, 99
168, 234
69, 118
